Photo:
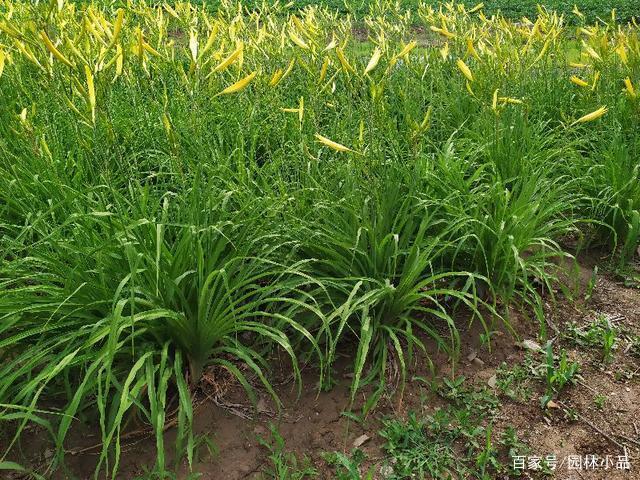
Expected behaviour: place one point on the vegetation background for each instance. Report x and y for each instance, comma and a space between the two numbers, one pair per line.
593, 10
190, 192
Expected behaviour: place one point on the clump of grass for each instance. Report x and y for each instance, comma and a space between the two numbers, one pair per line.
382, 261
137, 302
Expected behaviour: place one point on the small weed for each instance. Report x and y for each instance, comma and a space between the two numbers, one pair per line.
165, 475
591, 285
514, 447
598, 334
624, 375
630, 275
634, 348
422, 447
464, 397
488, 457
485, 339
571, 414
515, 382
359, 419
453, 389
203, 446
347, 467
608, 342
557, 376
599, 401
455, 441
284, 465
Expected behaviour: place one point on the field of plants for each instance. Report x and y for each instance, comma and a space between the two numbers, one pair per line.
590, 10
191, 196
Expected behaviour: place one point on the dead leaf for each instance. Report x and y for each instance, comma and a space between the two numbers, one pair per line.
477, 361
360, 440
262, 406
493, 380
530, 345
552, 404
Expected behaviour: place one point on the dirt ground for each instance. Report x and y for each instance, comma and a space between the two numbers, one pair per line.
597, 418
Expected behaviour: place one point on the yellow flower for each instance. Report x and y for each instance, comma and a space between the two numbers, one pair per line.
280, 75
91, 92
239, 85
578, 81
298, 41
577, 12
427, 116
299, 110
545, 47
471, 49
343, 61
407, 48
288, 70
119, 60
466, 71
51, 47
468, 85
331, 144
596, 78
171, 11
442, 31
373, 62
332, 44
193, 45
444, 51
117, 26
230, 59
629, 86
514, 101
323, 68
586, 31
622, 53
476, 8
275, 78
592, 53
589, 117
211, 39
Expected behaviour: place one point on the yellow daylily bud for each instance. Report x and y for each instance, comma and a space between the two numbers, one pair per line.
466, 71
578, 81
338, 147
239, 85
629, 86
589, 117
373, 62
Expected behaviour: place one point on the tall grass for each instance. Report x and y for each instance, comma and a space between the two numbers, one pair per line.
154, 227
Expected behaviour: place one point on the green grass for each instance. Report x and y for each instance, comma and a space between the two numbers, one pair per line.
184, 232
456, 440
592, 10
283, 464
